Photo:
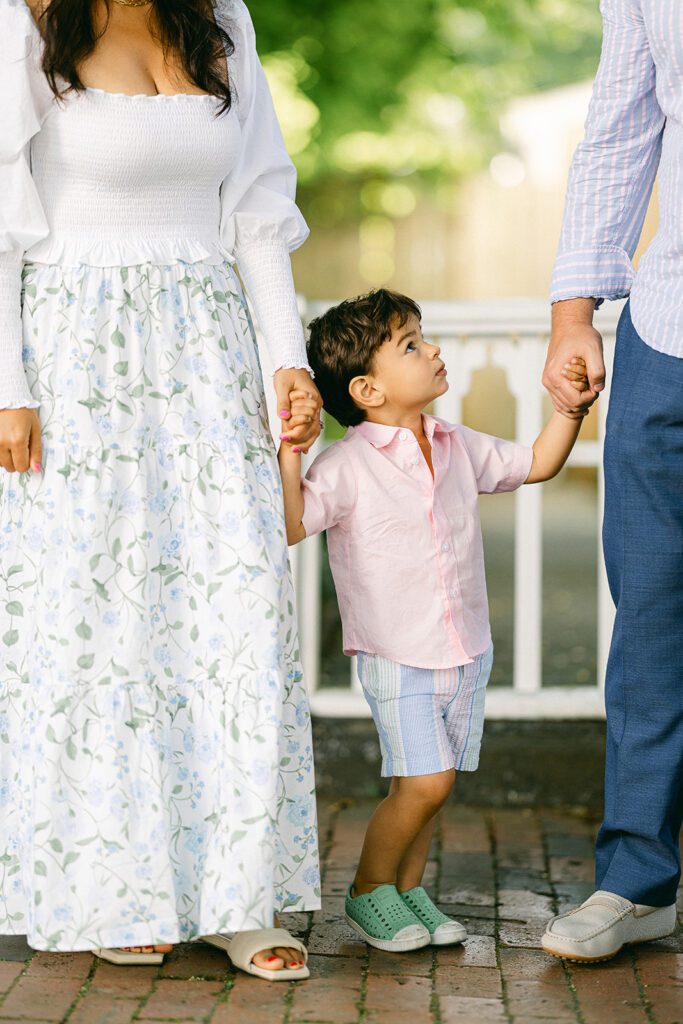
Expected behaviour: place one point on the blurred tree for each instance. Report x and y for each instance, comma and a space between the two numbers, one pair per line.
378, 91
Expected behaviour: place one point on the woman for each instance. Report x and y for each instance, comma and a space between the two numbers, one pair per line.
156, 774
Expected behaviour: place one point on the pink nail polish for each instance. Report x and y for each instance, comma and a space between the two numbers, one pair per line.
284, 414
37, 467
284, 437
296, 449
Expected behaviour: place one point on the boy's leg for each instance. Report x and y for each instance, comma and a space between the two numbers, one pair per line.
398, 836
412, 868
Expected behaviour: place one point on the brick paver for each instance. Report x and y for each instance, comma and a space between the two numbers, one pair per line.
502, 872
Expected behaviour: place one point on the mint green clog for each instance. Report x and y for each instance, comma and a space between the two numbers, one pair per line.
443, 931
385, 921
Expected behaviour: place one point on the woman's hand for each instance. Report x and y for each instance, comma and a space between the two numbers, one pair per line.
20, 440
301, 425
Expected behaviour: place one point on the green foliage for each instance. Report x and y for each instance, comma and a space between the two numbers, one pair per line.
372, 90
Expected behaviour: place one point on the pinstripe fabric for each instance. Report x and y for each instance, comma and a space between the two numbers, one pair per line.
634, 127
428, 720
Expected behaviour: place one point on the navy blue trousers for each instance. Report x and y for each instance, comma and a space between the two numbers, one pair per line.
637, 854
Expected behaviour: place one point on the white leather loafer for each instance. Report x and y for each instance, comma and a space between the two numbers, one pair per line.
603, 925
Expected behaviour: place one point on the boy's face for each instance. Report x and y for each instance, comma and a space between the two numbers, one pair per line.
407, 373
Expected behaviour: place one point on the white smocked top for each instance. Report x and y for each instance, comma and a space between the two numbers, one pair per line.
108, 179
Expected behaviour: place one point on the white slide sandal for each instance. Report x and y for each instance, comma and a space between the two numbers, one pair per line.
242, 946
123, 957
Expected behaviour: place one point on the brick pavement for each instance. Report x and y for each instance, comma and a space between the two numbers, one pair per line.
500, 872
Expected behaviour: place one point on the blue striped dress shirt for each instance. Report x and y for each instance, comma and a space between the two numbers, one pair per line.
634, 127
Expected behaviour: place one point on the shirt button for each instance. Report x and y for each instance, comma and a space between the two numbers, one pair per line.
416, 462
445, 546
452, 593
403, 435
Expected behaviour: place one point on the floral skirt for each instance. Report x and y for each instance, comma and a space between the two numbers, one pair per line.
156, 776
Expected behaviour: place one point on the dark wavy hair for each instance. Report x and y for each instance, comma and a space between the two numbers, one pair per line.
186, 27
344, 340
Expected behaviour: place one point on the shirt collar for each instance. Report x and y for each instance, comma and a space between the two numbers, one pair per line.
381, 434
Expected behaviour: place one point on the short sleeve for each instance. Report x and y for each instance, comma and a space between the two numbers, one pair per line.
26, 100
329, 491
498, 465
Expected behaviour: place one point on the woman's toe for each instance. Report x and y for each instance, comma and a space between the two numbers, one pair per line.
292, 958
268, 960
163, 948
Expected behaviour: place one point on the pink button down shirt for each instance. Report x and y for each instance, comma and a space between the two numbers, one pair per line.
406, 550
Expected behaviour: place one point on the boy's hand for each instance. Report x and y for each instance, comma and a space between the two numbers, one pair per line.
576, 373
305, 412
286, 382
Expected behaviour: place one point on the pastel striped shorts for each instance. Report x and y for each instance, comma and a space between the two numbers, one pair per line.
428, 720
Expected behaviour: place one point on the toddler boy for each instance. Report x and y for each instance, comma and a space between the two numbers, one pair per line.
398, 497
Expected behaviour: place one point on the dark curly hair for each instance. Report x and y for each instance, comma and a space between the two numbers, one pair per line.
185, 27
344, 340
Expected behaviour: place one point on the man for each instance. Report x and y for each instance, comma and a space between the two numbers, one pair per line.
635, 124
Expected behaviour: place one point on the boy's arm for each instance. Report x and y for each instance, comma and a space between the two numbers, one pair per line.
552, 447
290, 471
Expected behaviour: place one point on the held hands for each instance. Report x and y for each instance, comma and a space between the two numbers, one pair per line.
299, 407
576, 373
574, 336
20, 440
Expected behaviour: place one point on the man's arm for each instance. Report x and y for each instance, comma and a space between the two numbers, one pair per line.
609, 187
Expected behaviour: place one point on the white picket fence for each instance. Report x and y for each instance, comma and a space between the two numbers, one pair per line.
511, 335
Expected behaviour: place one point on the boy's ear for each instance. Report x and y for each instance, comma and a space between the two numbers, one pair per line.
365, 393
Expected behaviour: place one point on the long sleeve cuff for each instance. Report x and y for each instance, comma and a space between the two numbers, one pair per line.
605, 272
266, 270
14, 389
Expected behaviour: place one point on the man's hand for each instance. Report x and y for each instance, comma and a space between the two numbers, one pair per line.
573, 336
20, 440
300, 426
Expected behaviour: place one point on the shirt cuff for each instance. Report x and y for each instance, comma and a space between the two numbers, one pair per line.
520, 468
603, 273
313, 518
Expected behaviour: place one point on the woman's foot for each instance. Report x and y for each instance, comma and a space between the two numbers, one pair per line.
279, 958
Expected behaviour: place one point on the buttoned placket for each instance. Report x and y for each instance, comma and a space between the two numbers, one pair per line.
443, 549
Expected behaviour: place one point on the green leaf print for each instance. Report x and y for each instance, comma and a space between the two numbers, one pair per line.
129, 466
